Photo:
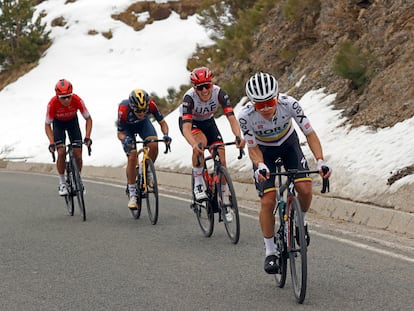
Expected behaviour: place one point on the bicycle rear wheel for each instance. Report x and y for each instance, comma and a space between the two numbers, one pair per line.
78, 188
151, 195
280, 277
70, 204
297, 251
227, 202
204, 213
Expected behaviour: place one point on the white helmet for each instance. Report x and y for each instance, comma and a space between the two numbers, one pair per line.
261, 87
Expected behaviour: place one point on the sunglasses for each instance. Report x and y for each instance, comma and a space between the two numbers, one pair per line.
67, 96
200, 87
139, 110
267, 103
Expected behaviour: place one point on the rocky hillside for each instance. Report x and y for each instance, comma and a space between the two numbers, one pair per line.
307, 46
383, 29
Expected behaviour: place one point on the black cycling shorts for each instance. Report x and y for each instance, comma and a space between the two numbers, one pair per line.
208, 127
292, 158
143, 128
72, 127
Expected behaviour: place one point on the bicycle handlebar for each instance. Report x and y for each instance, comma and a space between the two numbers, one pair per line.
54, 157
147, 141
216, 146
293, 172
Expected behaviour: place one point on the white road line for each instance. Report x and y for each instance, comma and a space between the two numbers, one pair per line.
364, 246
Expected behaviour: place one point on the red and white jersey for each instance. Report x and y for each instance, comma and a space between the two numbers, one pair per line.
193, 108
257, 130
55, 110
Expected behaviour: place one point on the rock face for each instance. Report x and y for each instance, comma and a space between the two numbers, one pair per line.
306, 46
382, 29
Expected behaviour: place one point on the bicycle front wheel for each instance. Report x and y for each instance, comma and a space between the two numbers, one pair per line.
298, 251
280, 243
228, 205
151, 195
136, 213
70, 204
204, 212
78, 188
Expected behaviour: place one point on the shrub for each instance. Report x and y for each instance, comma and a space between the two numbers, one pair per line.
350, 63
297, 9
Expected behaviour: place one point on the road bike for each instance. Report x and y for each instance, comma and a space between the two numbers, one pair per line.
74, 182
289, 235
146, 182
218, 201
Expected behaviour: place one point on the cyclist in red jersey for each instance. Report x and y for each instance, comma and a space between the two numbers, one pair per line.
133, 118
62, 114
197, 122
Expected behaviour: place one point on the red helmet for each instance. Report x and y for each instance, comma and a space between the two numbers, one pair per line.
201, 75
63, 87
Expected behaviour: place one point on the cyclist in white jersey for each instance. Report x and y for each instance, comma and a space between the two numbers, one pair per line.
197, 122
267, 126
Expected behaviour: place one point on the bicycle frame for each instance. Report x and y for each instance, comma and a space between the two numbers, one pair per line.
218, 201
145, 155
212, 177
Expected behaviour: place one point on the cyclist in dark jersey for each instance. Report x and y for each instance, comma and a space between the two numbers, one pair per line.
197, 122
267, 126
62, 113
133, 118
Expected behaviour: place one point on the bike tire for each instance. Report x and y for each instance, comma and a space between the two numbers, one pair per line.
136, 213
297, 251
78, 189
281, 247
228, 204
204, 212
151, 194
70, 204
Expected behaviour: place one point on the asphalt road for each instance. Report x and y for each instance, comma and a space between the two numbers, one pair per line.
52, 261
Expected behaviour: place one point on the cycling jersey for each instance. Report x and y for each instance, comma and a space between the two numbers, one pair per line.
129, 123
127, 117
257, 130
193, 108
277, 137
56, 111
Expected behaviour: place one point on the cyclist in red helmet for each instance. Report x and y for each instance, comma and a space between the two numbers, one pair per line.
61, 117
197, 122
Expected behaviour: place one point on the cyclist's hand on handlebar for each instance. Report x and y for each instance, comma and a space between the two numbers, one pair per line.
52, 148
261, 173
240, 142
87, 141
323, 168
167, 139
